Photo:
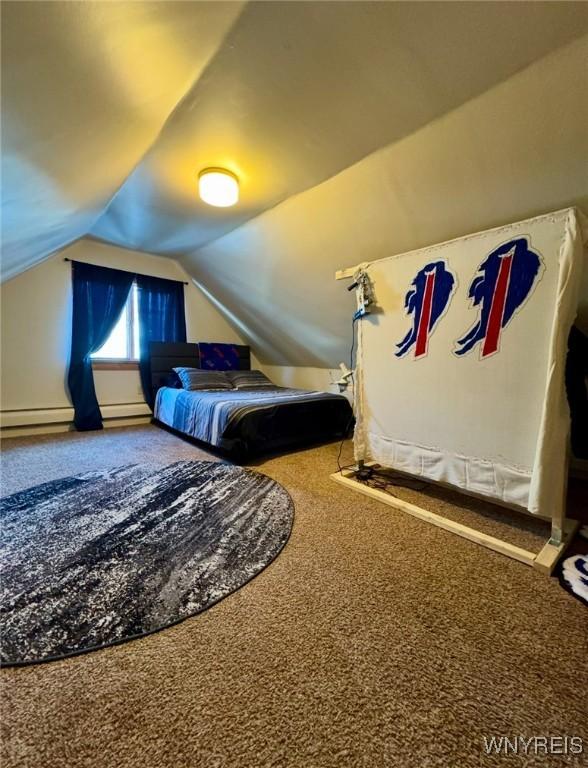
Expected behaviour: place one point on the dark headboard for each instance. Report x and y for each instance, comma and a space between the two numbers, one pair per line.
166, 355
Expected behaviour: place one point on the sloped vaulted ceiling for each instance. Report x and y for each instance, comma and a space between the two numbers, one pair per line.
299, 91
110, 109
86, 87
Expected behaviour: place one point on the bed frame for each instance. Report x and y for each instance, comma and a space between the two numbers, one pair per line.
167, 355
287, 429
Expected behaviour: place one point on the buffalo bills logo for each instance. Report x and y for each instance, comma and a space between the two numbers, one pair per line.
507, 278
426, 301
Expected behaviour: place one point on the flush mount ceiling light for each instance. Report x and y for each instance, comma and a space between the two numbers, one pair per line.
218, 187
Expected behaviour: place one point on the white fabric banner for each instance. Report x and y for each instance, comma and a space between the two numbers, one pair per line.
460, 370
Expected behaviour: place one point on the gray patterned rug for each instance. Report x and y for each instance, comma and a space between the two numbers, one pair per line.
104, 557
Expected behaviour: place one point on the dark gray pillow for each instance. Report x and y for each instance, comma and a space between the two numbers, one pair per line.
198, 379
249, 379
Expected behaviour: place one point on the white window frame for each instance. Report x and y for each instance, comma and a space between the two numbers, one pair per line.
131, 338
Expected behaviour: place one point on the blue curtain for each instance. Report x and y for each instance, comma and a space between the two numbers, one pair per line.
99, 296
162, 317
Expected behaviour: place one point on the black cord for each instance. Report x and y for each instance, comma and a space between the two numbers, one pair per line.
352, 417
384, 479
378, 478
351, 366
347, 466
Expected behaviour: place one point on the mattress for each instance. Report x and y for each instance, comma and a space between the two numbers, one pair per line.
254, 420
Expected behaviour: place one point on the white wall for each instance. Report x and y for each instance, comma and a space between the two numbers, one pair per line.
36, 309
304, 377
516, 151
513, 152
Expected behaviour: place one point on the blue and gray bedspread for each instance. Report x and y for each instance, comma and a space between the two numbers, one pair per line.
273, 414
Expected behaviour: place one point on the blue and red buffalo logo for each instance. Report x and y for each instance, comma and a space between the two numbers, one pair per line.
426, 301
504, 283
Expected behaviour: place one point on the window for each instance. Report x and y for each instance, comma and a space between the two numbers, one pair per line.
122, 346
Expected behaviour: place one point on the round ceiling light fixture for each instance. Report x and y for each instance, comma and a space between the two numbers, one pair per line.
219, 187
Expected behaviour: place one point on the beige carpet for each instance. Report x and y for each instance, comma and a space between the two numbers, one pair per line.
373, 640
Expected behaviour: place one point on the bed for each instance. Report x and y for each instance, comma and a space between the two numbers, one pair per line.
242, 423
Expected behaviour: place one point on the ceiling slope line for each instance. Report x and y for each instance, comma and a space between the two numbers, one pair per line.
8, 271
384, 148
178, 105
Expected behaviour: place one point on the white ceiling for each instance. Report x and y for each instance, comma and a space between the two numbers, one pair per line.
514, 152
86, 88
299, 91
110, 109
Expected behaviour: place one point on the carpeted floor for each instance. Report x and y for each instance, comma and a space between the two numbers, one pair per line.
373, 640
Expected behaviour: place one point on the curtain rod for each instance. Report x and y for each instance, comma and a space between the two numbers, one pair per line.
185, 282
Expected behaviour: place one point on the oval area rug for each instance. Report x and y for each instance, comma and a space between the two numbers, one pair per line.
103, 557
